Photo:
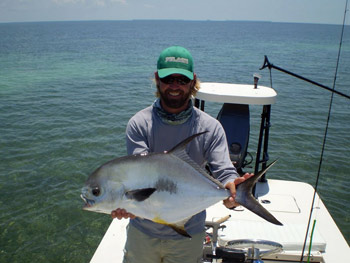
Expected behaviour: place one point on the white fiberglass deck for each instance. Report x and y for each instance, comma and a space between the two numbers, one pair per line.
290, 203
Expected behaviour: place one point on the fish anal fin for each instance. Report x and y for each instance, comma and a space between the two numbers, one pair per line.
178, 228
140, 194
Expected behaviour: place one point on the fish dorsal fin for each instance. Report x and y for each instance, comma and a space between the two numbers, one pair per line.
182, 145
180, 152
140, 194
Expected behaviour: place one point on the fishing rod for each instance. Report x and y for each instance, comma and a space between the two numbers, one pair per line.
324, 141
333, 91
269, 65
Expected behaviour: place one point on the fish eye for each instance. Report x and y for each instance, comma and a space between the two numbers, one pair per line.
96, 191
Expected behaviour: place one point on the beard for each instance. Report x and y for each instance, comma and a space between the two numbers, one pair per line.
174, 102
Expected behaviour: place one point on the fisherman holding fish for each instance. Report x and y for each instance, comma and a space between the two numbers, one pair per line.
158, 128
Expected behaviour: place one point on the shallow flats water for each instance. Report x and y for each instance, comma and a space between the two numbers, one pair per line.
67, 90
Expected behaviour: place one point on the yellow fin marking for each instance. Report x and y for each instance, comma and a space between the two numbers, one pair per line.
159, 221
179, 229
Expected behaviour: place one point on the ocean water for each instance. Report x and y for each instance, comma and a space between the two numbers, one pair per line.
67, 90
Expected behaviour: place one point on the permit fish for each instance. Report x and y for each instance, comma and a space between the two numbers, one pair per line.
167, 188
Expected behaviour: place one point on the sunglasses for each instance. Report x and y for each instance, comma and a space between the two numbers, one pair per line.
182, 80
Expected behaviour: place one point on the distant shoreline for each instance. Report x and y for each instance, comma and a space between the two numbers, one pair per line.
167, 20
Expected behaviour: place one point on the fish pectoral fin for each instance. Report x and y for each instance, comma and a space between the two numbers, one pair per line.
140, 194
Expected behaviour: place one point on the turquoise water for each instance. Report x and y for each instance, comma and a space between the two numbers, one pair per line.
67, 90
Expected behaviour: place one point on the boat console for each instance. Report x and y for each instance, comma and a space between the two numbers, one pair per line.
235, 118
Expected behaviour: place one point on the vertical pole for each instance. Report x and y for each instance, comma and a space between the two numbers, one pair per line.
263, 142
202, 105
199, 104
261, 135
267, 125
196, 103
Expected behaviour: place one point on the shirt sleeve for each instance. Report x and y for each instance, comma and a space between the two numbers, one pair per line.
218, 157
136, 137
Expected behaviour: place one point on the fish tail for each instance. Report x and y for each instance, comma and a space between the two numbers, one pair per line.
246, 199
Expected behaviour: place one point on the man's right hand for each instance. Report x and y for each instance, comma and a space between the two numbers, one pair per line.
121, 213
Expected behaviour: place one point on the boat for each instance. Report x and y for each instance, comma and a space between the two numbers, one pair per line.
308, 234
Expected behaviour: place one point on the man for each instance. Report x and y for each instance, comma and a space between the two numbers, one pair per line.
158, 128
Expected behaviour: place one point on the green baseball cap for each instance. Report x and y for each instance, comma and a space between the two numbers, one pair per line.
175, 60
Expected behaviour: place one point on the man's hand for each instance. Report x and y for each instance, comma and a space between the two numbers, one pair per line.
121, 213
231, 202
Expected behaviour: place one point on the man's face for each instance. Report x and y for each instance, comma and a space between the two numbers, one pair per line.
175, 92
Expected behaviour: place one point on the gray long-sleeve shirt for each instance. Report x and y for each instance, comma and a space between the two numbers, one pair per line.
146, 132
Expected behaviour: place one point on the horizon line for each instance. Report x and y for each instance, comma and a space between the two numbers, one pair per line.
169, 20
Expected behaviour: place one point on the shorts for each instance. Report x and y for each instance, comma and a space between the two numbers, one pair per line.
141, 248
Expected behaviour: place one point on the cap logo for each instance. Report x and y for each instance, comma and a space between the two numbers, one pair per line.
178, 60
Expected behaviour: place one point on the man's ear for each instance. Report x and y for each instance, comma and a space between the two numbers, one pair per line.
156, 77
194, 81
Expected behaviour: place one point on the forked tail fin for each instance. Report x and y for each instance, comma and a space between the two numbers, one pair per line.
245, 197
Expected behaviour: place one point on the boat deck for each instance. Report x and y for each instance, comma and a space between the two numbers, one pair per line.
288, 201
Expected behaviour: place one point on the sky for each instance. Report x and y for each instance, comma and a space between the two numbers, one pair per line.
300, 11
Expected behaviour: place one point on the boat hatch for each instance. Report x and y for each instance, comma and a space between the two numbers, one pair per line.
276, 202
279, 203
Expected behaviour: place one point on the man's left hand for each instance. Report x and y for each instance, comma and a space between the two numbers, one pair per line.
231, 202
